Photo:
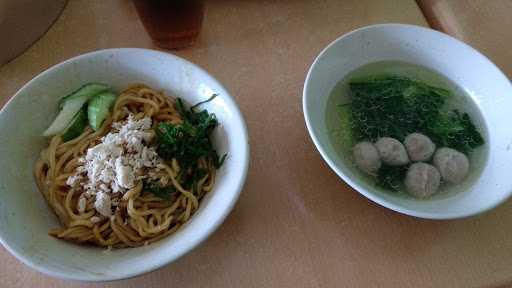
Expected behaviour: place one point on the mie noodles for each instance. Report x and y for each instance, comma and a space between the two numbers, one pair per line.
140, 217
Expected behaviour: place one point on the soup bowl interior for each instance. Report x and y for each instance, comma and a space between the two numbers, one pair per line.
481, 81
25, 218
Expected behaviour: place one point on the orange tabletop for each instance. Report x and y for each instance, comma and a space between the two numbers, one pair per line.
483, 24
296, 223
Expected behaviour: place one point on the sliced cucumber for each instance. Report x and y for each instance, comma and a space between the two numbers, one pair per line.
76, 126
88, 90
69, 110
99, 108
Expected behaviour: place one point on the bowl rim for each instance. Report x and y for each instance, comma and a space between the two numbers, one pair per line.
205, 233
369, 195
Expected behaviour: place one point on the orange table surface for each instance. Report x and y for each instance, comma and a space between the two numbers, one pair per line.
483, 24
296, 223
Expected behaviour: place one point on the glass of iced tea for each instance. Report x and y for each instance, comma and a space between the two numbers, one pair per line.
172, 24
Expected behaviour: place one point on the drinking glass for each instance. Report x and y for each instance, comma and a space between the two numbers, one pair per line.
171, 24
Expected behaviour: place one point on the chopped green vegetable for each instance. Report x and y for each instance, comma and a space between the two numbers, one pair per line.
397, 106
391, 177
164, 192
344, 134
205, 101
391, 106
190, 180
455, 130
76, 126
188, 142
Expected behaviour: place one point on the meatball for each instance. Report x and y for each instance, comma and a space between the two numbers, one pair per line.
366, 157
452, 164
391, 151
419, 147
422, 180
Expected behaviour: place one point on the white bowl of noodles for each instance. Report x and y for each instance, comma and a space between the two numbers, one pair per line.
25, 217
484, 94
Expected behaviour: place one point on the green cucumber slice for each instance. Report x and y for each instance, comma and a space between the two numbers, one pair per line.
88, 90
69, 110
99, 108
76, 126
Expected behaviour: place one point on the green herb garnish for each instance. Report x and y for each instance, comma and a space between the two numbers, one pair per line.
164, 192
188, 142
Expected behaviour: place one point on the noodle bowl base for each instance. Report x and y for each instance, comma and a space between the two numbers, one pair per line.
25, 218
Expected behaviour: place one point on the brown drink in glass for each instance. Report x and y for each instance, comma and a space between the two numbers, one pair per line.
172, 24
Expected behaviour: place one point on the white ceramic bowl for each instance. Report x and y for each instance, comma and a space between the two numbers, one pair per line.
24, 216
463, 65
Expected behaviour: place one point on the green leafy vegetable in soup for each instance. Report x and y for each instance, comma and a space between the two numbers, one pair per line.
455, 129
390, 177
395, 106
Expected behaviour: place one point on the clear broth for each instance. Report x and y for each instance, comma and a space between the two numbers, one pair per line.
339, 134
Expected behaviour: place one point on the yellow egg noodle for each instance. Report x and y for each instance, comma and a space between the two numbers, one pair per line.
140, 217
